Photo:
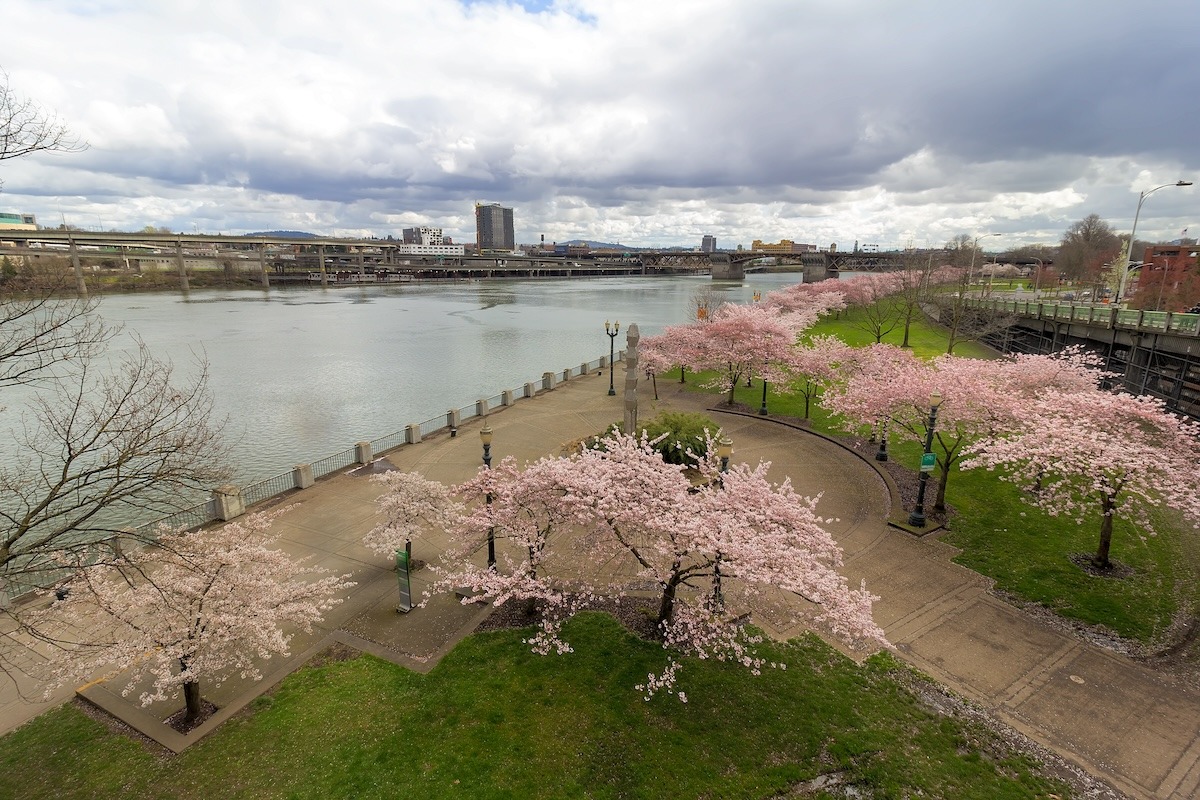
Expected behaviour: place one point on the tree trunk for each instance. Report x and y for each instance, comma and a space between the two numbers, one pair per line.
939, 503
666, 609
1106, 526
191, 698
682, 374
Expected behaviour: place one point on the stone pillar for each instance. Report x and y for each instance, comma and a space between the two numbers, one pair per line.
583, 369
412, 434
530, 389
302, 476
183, 278
481, 408
80, 286
566, 375
631, 379
452, 420
321, 261
603, 362
506, 398
228, 503
547, 380
362, 453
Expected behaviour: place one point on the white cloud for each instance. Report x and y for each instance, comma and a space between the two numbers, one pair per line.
651, 123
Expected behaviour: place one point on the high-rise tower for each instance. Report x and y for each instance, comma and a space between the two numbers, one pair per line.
494, 227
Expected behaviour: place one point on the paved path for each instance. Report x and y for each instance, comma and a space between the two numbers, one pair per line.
1115, 718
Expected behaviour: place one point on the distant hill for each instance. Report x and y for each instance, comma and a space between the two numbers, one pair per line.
600, 245
285, 234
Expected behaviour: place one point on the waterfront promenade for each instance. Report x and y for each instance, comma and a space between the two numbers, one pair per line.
1107, 713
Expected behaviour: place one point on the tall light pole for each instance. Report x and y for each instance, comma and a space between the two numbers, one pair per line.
1037, 279
917, 517
612, 343
485, 437
1133, 232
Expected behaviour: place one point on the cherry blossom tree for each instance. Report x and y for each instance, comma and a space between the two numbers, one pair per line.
979, 397
197, 606
815, 365
1076, 452
740, 341
412, 506
874, 295
820, 298
617, 515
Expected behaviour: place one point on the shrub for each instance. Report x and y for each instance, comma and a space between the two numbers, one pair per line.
684, 431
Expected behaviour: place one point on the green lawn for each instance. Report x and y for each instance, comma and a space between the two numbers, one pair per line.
1025, 550
494, 720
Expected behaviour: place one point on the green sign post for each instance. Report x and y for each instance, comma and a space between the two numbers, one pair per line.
928, 462
403, 579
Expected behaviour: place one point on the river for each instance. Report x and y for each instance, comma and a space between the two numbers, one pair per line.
300, 373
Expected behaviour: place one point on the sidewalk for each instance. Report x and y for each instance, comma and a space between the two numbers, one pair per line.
1115, 718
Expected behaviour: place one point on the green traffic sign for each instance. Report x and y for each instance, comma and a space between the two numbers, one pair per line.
928, 462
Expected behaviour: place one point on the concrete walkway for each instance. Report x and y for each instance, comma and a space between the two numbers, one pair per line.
1106, 713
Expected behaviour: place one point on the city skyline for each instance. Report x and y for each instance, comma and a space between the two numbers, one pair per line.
610, 120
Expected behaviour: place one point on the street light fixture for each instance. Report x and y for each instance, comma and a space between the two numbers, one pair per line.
1133, 232
612, 343
917, 517
485, 437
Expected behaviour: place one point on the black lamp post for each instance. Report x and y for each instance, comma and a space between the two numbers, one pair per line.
762, 412
485, 436
724, 451
612, 344
917, 517
882, 454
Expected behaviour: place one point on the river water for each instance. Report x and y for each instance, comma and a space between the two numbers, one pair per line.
304, 372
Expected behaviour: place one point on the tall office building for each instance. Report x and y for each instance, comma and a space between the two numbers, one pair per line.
708, 244
494, 227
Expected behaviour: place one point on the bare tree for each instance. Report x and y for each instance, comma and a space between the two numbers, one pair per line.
118, 443
26, 128
1087, 246
44, 330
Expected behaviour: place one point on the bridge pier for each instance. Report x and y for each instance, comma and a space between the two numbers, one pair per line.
725, 269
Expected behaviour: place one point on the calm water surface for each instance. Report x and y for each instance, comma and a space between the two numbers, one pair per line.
302, 373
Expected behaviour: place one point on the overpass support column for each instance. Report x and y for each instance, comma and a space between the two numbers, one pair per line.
262, 266
183, 277
80, 286
321, 260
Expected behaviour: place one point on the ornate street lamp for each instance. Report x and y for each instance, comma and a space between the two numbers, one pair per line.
485, 437
1133, 232
762, 412
917, 517
882, 453
612, 344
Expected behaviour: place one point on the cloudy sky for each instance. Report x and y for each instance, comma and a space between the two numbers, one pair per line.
645, 122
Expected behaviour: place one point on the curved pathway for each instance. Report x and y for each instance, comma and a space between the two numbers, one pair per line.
1109, 714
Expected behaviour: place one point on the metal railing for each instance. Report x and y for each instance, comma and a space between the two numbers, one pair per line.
1106, 316
207, 511
333, 463
266, 489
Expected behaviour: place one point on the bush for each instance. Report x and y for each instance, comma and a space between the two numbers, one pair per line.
684, 431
